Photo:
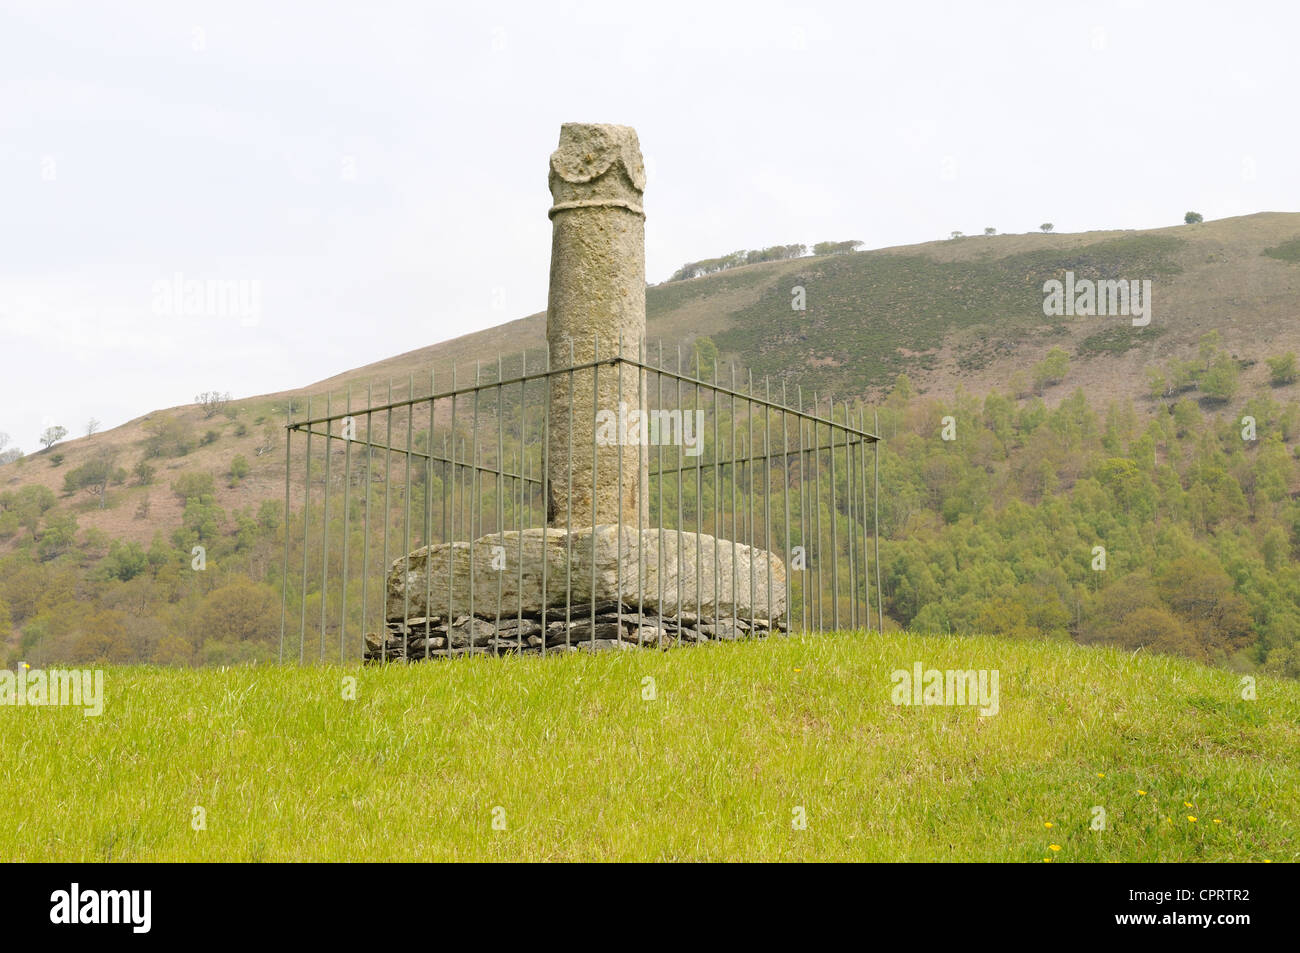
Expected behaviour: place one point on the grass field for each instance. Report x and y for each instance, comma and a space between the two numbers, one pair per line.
576, 764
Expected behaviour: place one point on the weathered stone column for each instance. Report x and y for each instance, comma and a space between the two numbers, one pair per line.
597, 298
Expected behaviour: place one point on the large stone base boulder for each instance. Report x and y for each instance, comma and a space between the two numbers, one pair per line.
665, 572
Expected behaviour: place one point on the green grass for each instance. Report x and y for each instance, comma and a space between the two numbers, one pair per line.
1118, 340
738, 737
1287, 251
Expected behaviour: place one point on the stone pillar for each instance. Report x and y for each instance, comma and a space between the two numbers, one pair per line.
597, 298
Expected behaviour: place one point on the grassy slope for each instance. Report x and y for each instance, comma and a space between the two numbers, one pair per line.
739, 735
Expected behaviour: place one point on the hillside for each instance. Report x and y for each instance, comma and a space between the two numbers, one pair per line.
1065, 445
737, 744
951, 314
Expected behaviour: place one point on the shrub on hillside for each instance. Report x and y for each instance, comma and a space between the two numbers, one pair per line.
168, 437
1282, 369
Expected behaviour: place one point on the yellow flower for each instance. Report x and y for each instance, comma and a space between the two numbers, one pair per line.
1143, 793
1048, 860
798, 670
1267, 861
25, 665
1191, 819
1054, 846
1100, 774
1047, 823
1218, 821
1187, 804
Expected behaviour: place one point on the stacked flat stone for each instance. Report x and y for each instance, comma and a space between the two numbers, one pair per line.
612, 630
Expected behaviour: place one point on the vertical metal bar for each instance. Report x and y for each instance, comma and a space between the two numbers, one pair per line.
519, 521
835, 518
642, 486
621, 425
306, 519
428, 521
697, 423
284, 574
785, 496
523, 404
500, 482
406, 494
767, 496
717, 498
451, 515
848, 503
546, 486
803, 519
875, 523
388, 492
659, 468
347, 513
817, 509
568, 521
750, 466
595, 464
325, 525
862, 516
473, 489
365, 532
735, 500
681, 539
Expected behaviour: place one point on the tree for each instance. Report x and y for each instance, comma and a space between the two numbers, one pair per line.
238, 469
956, 235
990, 231
1046, 226
143, 473
31, 503
241, 611
1219, 383
213, 402
1193, 218
835, 248
1282, 369
168, 437
92, 427
95, 476
10, 455
53, 435
706, 357
124, 561
194, 485
1052, 368
4, 440
59, 535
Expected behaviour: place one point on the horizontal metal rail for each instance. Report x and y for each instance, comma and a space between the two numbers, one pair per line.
470, 390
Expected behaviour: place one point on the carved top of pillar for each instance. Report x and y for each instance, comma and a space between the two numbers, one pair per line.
597, 165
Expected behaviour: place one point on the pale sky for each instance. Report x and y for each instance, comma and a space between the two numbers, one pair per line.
377, 171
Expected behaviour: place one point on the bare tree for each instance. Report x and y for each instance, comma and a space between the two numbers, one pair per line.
213, 402
92, 427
